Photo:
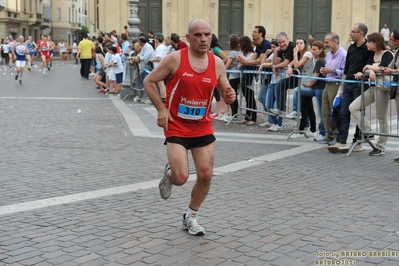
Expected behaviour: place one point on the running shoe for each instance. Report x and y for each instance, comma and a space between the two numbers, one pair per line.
338, 148
292, 115
16, 77
20, 82
376, 152
165, 187
266, 124
192, 226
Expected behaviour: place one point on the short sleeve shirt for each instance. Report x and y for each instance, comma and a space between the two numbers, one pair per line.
234, 55
263, 47
287, 53
319, 83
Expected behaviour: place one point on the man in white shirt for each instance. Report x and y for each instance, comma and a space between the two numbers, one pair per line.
143, 59
385, 32
160, 52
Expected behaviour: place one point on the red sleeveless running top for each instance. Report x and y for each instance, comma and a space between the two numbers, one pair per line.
44, 47
189, 99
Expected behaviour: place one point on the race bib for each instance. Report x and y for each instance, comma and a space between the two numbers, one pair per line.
192, 109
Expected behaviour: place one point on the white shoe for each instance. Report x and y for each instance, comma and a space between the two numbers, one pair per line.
292, 115
226, 118
275, 128
266, 124
311, 134
220, 116
297, 136
137, 99
277, 112
148, 101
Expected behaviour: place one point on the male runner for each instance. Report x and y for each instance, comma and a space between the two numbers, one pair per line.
52, 46
20, 51
45, 51
32, 51
192, 74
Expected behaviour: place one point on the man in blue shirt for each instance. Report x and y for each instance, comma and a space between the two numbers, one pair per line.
262, 45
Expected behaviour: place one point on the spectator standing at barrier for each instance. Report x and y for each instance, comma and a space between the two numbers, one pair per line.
232, 64
246, 79
144, 60
116, 63
283, 56
100, 69
185, 116
394, 68
303, 60
315, 87
334, 69
160, 52
274, 122
222, 109
176, 43
261, 46
249, 63
380, 94
169, 46
386, 33
85, 49
356, 58
125, 31
151, 39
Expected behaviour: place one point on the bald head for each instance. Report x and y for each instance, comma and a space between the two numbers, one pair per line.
197, 22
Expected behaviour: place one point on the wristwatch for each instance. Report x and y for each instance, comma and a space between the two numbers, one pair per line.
334, 71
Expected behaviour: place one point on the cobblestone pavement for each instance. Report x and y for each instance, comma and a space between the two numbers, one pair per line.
81, 188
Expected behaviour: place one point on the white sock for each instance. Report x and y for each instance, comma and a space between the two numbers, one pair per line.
20, 76
191, 212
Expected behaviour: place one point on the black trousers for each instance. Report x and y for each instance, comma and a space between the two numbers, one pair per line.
85, 67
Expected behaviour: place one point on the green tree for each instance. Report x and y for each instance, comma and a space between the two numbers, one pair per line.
85, 30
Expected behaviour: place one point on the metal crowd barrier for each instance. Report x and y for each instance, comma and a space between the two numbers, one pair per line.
382, 115
133, 87
250, 101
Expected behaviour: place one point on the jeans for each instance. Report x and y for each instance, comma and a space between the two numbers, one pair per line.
76, 58
269, 103
309, 92
262, 94
282, 87
350, 93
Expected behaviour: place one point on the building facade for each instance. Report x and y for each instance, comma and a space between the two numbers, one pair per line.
62, 19
296, 17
